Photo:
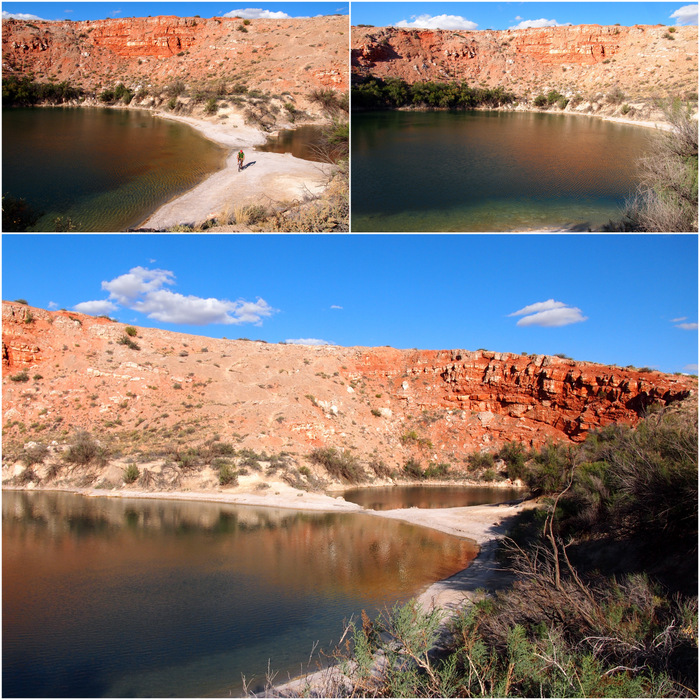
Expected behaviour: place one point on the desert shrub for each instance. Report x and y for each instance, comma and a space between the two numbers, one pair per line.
341, 465
376, 412
379, 467
84, 450
480, 460
130, 331
131, 473
540, 101
616, 95
211, 106
22, 376
514, 455
22, 301
437, 471
126, 340
412, 469
34, 454
549, 467
227, 474
331, 101
667, 196
222, 449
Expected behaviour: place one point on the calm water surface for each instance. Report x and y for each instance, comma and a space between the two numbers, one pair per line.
106, 169
490, 171
389, 497
299, 142
119, 597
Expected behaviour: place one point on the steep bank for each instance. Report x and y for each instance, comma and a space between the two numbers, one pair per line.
614, 70
174, 395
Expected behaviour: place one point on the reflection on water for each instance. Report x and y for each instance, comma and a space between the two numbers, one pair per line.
119, 597
489, 171
105, 169
300, 142
389, 497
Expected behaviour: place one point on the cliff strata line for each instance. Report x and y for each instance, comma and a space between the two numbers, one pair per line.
150, 52
438, 406
642, 61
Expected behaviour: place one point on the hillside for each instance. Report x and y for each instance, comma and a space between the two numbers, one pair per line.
148, 54
586, 61
167, 393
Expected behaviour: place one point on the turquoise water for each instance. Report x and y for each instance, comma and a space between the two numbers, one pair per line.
104, 169
118, 597
490, 171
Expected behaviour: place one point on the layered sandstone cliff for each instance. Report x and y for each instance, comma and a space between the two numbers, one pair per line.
63, 371
642, 61
295, 55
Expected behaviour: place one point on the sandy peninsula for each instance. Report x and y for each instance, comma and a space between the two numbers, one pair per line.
265, 179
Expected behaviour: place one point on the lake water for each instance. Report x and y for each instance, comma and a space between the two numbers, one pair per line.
105, 169
389, 497
126, 597
299, 142
490, 171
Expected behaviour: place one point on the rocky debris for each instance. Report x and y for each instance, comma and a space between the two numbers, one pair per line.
65, 371
643, 61
147, 53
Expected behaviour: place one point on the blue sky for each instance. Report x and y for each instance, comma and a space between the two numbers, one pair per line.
507, 15
80, 11
618, 299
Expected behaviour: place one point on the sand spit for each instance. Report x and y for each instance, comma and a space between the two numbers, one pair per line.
265, 179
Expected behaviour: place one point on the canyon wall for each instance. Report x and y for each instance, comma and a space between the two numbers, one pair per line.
64, 371
642, 61
295, 55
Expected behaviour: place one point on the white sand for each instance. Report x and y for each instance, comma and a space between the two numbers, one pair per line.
267, 177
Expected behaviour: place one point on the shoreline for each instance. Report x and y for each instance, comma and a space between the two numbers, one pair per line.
266, 177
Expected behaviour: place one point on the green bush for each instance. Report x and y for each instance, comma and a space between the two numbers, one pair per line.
413, 469
126, 340
341, 465
227, 474
22, 376
480, 460
131, 473
540, 101
514, 455
130, 331
211, 106
85, 450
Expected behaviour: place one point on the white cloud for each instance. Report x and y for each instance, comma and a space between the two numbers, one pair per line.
518, 17
53, 305
537, 23
549, 313
687, 326
686, 15
95, 308
437, 22
693, 369
256, 13
22, 15
307, 341
141, 289
335, 306
677, 320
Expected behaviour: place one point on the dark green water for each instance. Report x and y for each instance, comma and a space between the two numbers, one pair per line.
105, 169
389, 497
152, 598
490, 171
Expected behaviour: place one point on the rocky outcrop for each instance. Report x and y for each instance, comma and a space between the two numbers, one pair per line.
64, 371
643, 61
151, 52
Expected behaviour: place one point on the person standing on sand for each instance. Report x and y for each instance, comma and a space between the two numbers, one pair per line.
241, 156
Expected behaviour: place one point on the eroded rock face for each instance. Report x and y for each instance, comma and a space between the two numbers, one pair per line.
436, 405
273, 55
641, 60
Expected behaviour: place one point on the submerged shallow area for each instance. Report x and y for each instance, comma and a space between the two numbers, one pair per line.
104, 169
490, 171
119, 597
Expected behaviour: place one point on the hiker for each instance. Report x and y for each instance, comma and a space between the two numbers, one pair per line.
241, 156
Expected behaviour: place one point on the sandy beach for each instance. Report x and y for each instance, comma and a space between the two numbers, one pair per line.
265, 179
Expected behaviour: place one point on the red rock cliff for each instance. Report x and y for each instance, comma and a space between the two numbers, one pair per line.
641, 60
274, 55
63, 370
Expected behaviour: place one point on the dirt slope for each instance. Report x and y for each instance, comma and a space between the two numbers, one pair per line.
63, 371
643, 61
